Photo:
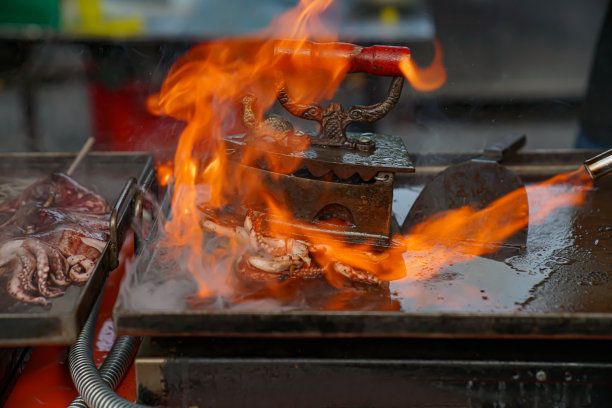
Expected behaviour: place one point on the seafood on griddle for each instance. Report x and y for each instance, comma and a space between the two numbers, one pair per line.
272, 257
52, 236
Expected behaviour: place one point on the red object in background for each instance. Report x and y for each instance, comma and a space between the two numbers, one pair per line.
46, 380
121, 122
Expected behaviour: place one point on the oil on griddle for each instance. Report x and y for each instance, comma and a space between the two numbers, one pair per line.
242, 237
556, 248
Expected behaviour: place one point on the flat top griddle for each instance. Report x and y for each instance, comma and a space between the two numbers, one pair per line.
106, 173
559, 287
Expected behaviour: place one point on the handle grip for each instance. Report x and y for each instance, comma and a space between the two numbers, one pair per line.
504, 147
379, 60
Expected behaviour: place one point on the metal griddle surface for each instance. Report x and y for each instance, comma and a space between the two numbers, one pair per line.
60, 322
559, 287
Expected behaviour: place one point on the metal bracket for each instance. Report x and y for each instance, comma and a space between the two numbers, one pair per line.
132, 197
138, 211
117, 214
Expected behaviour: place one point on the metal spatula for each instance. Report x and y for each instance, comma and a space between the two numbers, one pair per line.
477, 182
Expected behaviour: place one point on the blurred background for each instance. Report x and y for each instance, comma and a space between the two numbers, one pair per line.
70, 69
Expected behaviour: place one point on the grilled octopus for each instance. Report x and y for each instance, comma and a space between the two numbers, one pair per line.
51, 236
272, 258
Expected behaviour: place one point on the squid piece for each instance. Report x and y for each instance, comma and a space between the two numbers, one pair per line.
51, 236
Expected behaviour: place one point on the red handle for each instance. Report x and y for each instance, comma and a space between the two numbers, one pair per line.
380, 60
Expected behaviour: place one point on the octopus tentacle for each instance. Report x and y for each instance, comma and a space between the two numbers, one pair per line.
237, 232
249, 268
355, 274
276, 247
59, 268
75, 272
81, 268
253, 224
42, 267
52, 219
75, 259
306, 272
282, 257
16, 290
28, 269
87, 269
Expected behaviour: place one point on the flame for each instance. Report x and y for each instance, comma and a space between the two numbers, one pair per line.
206, 88
469, 231
164, 173
450, 237
425, 79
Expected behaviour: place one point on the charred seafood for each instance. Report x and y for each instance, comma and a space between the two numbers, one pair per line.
51, 236
270, 257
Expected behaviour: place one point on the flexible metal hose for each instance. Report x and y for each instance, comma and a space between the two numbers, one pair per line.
115, 365
96, 388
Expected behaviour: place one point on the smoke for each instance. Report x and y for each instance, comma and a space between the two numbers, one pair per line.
159, 277
158, 286
165, 276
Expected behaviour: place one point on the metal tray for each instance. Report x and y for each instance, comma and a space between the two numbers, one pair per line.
115, 176
559, 288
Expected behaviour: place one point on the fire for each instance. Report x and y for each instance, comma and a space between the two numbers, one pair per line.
425, 79
453, 236
468, 231
207, 88
164, 173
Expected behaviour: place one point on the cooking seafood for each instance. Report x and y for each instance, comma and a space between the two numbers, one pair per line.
274, 257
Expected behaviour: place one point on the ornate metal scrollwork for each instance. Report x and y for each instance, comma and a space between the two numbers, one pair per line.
334, 119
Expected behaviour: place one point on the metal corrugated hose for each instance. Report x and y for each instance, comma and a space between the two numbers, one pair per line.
96, 388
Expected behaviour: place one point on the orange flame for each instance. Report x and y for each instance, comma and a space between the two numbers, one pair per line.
425, 79
453, 236
164, 173
205, 88
467, 236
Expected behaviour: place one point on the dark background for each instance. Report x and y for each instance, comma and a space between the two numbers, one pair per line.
513, 66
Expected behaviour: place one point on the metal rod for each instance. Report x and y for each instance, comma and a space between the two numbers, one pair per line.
77, 160
599, 165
